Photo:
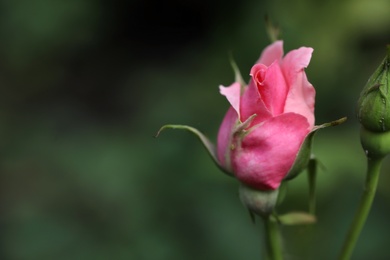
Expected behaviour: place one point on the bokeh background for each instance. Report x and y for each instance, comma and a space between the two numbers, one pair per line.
85, 85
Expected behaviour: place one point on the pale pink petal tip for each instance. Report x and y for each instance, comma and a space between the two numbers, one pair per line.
271, 53
232, 94
299, 58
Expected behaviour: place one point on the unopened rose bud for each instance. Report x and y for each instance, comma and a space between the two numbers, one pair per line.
374, 101
374, 111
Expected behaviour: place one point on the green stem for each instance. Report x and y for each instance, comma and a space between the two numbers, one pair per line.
373, 170
312, 176
274, 249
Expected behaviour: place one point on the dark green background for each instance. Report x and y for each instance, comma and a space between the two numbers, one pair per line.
85, 84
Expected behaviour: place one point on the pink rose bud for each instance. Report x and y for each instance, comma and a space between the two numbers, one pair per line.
263, 130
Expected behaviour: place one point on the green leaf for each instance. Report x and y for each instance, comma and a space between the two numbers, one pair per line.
303, 157
210, 147
296, 218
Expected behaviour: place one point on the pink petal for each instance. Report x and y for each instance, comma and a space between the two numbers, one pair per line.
232, 93
271, 86
271, 53
224, 138
301, 96
251, 103
267, 153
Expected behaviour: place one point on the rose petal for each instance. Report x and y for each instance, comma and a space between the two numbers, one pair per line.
271, 86
300, 98
271, 53
224, 138
267, 153
232, 93
251, 103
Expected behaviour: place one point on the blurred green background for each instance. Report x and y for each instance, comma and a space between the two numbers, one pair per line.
85, 85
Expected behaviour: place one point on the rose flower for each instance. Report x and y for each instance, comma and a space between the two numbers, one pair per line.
263, 130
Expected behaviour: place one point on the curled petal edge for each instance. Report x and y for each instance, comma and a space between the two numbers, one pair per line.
303, 157
210, 147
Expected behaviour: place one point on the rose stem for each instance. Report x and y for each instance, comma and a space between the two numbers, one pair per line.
273, 239
373, 170
312, 176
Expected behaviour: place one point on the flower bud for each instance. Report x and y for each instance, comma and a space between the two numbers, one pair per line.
268, 120
374, 101
259, 202
374, 111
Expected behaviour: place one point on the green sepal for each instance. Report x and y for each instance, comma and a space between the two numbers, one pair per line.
273, 30
237, 74
253, 216
210, 147
259, 202
240, 127
303, 156
376, 145
296, 218
282, 192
